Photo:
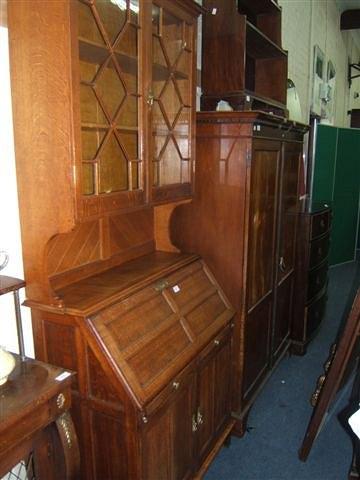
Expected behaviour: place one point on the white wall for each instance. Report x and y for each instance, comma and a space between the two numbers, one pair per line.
10, 239
306, 23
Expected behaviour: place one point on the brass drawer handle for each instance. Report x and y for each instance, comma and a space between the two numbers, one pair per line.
199, 417
194, 423
176, 385
216, 342
282, 264
60, 401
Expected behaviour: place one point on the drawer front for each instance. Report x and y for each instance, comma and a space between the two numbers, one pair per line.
320, 224
314, 314
319, 250
317, 280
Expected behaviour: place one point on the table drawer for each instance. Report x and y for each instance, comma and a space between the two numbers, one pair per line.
319, 249
317, 280
320, 224
314, 314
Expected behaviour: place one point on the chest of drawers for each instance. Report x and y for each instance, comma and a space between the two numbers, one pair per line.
311, 276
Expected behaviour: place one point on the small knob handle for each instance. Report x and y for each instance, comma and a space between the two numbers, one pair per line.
216, 342
144, 419
176, 385
322, 223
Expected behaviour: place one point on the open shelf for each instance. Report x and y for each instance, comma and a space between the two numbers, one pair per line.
259, 45
258, 7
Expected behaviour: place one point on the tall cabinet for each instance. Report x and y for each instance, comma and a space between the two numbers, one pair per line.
245, 215
104, 110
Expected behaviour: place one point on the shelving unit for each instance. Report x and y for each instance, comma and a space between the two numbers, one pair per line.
253, 31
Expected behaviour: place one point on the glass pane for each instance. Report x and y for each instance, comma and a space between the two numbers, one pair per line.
90, 109
113, 168
185, 171
88, 28
90, 142
160, 70
129, 141
182, 132
135, 175
128, 114
182, 76
170, 165
134, 11
159, 124
112, 14
128, 42
155, 20
88, 71
110, 88
188, 36
172, 35
88, 183
170, 101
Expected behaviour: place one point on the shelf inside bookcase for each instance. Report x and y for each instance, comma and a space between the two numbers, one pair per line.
259, 45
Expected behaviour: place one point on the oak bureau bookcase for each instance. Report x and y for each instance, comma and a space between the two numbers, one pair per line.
104, 117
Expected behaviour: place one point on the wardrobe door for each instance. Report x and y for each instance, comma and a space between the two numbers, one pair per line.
265, 165
287, 224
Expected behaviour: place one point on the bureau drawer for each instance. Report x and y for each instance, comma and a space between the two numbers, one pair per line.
314, 314
319, 250
320, 223
317, 280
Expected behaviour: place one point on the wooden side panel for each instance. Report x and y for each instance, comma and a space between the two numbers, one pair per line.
61, 348
110, 454
44, 144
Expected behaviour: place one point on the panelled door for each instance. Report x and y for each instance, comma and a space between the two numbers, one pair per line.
263, 201
285, 260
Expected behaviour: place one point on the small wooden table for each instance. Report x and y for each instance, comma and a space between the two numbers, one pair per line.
35, 422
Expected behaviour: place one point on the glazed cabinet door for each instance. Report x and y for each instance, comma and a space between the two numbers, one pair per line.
110, 173
288, 220
171, 97
167, 439
213, 385
263, 201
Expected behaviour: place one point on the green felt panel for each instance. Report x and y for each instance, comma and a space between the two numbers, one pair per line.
346, 196
344, 228
347, 174
324, 169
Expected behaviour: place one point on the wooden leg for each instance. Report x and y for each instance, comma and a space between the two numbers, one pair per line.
240, 427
